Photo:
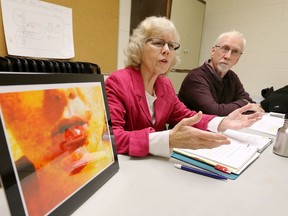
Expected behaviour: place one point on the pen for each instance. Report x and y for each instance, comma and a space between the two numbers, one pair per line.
198, 171
279, 115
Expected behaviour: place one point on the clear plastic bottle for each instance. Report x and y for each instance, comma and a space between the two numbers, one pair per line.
281, 143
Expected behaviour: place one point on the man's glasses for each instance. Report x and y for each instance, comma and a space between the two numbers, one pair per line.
161, 43
226, 49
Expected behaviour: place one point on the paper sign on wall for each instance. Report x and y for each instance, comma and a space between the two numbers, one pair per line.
37, 29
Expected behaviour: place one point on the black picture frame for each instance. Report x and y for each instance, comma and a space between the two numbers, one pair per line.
12, 181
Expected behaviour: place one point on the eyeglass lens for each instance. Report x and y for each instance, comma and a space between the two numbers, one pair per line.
226, 49
161, 43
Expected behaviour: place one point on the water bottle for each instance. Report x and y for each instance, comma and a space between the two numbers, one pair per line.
281, 144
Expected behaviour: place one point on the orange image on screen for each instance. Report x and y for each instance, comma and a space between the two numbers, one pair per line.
58, 143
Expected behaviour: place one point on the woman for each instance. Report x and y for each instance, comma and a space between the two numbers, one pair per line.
142, 99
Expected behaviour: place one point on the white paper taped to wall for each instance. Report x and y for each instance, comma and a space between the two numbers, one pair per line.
38, 29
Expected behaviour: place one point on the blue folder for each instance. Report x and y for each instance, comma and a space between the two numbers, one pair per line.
202, 165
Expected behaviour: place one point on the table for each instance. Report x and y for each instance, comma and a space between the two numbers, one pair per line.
153, 187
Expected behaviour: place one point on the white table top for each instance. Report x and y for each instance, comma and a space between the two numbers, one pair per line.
152, 186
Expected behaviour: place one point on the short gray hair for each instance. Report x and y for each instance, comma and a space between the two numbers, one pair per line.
233, 33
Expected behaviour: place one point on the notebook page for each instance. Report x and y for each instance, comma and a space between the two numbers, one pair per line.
258, 141
234, 155
268, 124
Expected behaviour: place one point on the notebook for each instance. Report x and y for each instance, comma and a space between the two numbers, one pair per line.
236, 156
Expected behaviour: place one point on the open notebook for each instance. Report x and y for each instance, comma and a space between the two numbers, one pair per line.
236, 156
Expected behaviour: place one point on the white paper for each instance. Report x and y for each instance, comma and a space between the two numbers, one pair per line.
37, 29
268, 124
232, 155
258, 141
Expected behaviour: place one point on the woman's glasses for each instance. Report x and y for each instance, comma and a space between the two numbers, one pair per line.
161, 43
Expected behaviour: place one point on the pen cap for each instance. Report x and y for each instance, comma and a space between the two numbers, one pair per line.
281, 144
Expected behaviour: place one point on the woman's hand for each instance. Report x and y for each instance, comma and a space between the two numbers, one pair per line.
237, 120
185, 136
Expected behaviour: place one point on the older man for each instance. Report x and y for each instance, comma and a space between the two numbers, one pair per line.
213, 87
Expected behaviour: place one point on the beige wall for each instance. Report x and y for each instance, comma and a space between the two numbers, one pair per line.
124, 29
265, 25
188, 16
190, 31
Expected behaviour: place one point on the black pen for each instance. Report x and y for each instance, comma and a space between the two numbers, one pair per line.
198, 171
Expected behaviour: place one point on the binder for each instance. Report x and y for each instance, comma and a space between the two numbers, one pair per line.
22, 64
229, 160
202, 165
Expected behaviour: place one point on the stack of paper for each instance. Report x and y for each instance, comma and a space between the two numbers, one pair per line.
269, 123
235, 157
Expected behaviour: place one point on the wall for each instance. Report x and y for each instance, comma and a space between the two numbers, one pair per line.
190, 32
124, 30
188, 16
189, 39
264, 24
95, 28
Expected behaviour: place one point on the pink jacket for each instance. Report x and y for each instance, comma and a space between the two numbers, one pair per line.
131, 120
